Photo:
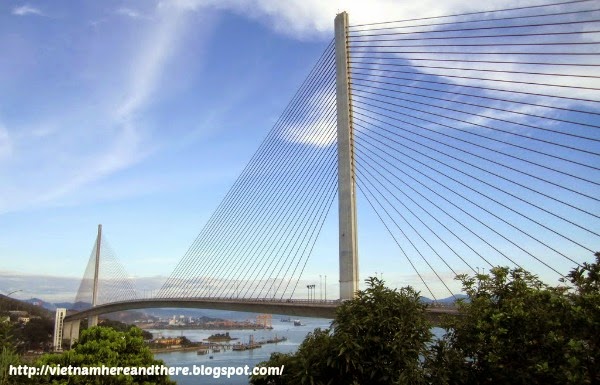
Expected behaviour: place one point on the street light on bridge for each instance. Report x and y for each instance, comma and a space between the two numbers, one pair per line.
311, 287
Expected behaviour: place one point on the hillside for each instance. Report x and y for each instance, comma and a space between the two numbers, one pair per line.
7, 304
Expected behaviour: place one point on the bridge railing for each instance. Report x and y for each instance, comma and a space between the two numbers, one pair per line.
291, 301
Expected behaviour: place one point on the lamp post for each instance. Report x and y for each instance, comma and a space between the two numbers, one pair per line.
320, 287
13, 292
311, 287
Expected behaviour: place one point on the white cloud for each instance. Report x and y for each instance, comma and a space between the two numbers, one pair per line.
132, 13
314, 18
317, 127
310, 19
150, 61
25, 10
59, 156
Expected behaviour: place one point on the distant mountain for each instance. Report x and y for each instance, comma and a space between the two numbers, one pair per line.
68, 305
448, 300
129, 316
41, 303
8, 304
53, 306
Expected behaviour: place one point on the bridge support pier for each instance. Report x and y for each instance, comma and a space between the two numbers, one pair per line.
71, 331
92, 321
348, 248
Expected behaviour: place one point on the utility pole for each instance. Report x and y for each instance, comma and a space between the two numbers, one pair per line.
348, 248
93, 320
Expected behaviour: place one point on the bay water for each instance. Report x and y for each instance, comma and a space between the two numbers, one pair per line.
229, 358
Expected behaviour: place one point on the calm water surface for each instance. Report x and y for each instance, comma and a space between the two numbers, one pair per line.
295, 335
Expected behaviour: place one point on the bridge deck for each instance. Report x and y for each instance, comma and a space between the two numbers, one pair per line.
301, 308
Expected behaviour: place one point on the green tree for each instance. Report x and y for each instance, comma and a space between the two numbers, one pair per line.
377, 338
513, 329
106, 346
8, 357
8, 354
7, 338
122, 327
311, 364
585, 315
36, 334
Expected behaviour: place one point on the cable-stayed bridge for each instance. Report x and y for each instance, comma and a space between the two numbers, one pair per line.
473, 139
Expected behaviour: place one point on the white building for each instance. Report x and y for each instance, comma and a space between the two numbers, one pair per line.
59, 328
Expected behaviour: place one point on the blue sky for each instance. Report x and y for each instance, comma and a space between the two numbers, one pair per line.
140, 115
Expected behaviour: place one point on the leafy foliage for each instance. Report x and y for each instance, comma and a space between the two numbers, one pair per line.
123, 327
516, 330
7, 337
7, 358
106, 346
376, 338
380, 336
511, 329
35, 334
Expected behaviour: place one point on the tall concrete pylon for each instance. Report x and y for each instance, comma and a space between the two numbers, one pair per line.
348, 248
93, 320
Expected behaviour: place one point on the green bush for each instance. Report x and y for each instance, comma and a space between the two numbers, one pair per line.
511, 329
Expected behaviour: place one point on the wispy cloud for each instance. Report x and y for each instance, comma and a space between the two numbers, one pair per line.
317, 126
149, 63
116, 134
25, 10
132, 13
305, 19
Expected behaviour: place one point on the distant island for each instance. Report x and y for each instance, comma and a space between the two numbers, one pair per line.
220, 337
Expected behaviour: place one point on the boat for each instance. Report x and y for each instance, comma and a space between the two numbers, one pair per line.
211, 357
202, 352
286, 319
276, 340
298, 323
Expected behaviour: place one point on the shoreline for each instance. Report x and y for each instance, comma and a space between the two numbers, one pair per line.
239, 327
177, 349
